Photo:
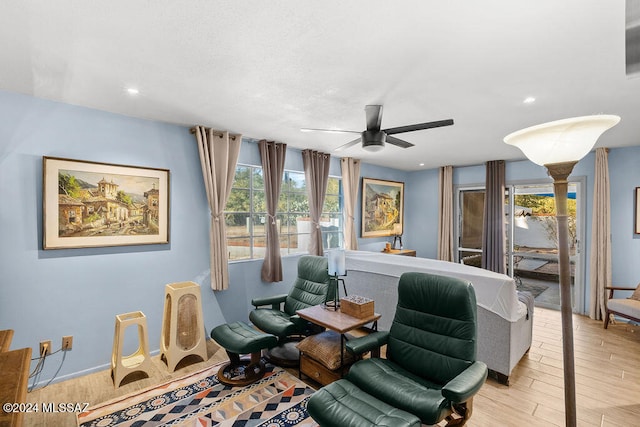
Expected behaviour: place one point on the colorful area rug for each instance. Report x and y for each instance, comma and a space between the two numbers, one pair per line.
279, 399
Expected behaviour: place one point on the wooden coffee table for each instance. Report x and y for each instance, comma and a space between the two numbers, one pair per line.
337, 321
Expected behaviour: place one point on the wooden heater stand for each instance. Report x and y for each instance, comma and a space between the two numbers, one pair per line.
182, 325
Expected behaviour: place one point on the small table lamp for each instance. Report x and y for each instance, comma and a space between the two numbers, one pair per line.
397, 231
558, 146
337, 267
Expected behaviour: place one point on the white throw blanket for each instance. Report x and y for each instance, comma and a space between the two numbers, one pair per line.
495, 292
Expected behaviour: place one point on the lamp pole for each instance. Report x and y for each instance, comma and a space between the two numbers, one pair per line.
560, 172
558, 146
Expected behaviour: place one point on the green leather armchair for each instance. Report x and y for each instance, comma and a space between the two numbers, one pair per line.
430, 369
311, 287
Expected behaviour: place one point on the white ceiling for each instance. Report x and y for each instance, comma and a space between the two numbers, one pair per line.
265, 69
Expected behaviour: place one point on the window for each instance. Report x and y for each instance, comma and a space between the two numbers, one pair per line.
246, 214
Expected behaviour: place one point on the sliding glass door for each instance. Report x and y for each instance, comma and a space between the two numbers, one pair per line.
530, 240
533, 253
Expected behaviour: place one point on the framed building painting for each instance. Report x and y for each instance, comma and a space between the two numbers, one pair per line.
382, 207
90, 204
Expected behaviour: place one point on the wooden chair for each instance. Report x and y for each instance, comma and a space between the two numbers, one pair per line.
628, 308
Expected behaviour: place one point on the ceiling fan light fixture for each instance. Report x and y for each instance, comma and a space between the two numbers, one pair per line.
373, 140
373, 148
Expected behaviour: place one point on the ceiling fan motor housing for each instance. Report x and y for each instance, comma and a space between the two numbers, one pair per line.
373, 140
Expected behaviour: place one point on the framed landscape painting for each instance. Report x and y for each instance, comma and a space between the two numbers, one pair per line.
382, 207
90, 204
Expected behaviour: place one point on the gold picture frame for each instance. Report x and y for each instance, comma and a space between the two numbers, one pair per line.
382, 207
91, 204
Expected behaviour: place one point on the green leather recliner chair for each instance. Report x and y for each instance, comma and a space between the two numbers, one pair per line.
311, 287
430, 372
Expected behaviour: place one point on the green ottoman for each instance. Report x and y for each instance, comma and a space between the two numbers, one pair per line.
239, 338
342, 404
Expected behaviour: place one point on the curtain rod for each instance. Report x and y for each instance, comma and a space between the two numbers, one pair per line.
215, 132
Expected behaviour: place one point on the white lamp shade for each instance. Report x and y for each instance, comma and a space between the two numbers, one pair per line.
337, 263
397, 229
561, 141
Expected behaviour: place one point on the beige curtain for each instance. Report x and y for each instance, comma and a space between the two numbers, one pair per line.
350, 179
316, 173
493, 230
600, 259
445, 217
272, 155
218, 157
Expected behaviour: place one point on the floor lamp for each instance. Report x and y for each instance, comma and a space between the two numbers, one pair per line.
558, 146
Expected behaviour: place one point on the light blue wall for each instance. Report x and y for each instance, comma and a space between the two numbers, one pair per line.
48, 294
421, 214
624, 173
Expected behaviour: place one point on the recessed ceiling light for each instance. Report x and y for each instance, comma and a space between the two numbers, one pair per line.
529, 100
132, 91
421, 164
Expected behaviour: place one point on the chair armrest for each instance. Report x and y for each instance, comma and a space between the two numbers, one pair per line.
295, 318
366, 343
467, 384
274, 301
298, 320
618, 288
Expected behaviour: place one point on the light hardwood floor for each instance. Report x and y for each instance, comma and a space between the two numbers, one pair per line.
607, 381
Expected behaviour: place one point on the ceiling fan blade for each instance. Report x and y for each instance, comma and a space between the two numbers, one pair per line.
398, 142
419, 126
328, 130
348, 144
374, 117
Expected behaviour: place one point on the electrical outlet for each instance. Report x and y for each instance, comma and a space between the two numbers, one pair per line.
67, 342
45, 348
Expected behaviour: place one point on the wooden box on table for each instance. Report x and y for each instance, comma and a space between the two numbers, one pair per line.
357, 306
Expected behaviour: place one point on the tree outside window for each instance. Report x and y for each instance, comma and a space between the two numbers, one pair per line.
246, 214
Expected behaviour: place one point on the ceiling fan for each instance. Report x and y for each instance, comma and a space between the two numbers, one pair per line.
374, 138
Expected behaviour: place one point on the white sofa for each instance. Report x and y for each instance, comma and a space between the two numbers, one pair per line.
505, 316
